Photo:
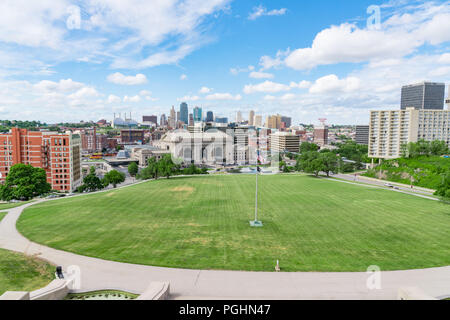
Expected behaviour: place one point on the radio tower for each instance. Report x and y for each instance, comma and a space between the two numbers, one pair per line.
323, 121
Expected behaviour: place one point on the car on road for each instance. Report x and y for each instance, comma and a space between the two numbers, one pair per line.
388, 185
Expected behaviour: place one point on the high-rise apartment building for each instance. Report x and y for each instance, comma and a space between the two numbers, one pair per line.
184, 113
191, 121
390, 130
321, 135
362, 135
284, 141
423, 96
58, 154
91, 141
251, 118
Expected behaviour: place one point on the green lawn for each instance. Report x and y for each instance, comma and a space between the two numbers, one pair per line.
2, 214
22, 273
202, 222
5, 206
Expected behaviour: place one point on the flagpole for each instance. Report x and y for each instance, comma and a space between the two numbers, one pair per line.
256, 223
256, 197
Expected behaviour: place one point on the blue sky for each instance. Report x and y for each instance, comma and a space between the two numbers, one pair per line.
71, 60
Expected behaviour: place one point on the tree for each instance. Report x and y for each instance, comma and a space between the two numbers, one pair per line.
439, 148
307, 146
330, 162
153, 168
166, 166
91, 182
444, 188
24, 182
133, 169
114, 177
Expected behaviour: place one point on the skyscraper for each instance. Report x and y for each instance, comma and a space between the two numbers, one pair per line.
238, 117
251, 118
258, 121
163, 120
423, 96
287, 121
191, 120
173, 118
198, 114
448, 99
209, 116
184, 113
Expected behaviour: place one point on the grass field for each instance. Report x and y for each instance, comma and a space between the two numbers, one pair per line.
310, 224
5, 206
22, 273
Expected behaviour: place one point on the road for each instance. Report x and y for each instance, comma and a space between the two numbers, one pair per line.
381, 183
97, 274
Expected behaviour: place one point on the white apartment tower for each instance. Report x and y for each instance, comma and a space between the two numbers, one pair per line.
390, 130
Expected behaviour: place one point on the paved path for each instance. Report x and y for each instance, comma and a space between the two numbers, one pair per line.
374, 185
381, 183
195, 284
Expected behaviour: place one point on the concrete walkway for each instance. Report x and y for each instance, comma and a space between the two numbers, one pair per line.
195, 284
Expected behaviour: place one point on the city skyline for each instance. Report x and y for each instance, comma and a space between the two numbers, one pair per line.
229, 56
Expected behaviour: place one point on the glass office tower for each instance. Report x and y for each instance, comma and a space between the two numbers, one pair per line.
184, 113
423, 96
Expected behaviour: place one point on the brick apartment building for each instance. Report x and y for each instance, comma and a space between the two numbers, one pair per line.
58, 154
91, 141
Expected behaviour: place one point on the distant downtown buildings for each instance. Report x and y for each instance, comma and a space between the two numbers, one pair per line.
390, 130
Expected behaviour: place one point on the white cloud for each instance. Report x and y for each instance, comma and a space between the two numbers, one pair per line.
301, 85
113, 99
236, 71
223, 96
260, 75
144, 93
119, 78
31, 23
132, 99
400, 35
205, 90
332, 83
261, 11
188, 98
267, 62
86, 92
266, 87
126, 34
183, 77
445, 58
64, 85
